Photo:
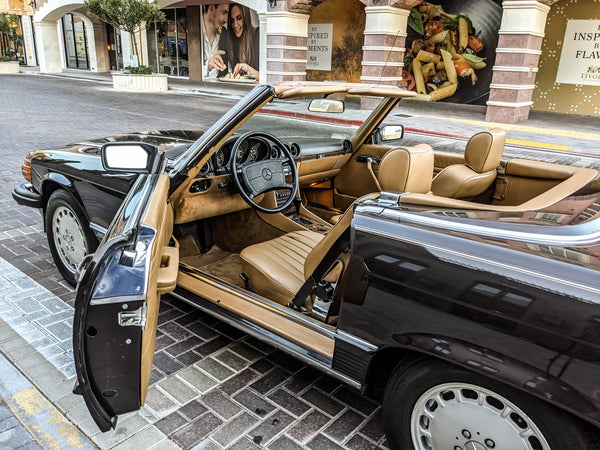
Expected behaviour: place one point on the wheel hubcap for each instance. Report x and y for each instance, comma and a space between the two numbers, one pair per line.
467, 417
69, 238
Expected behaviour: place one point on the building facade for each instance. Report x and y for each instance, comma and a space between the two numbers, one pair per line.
344, 40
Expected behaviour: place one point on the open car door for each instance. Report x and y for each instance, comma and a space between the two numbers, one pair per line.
118, 297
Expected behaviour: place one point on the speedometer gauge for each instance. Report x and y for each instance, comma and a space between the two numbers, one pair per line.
241, 152
220, 158
253, 153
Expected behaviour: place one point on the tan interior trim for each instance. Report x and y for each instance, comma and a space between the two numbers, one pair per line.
580, 178
381, 91
169, 266
301, 91
265, 315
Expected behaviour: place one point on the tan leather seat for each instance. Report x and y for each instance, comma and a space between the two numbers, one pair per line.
277, 268
404, 169
482, 156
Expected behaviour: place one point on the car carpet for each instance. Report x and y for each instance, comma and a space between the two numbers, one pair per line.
227, 269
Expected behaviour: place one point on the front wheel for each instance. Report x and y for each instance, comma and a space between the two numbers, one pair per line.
69, 235
432, 405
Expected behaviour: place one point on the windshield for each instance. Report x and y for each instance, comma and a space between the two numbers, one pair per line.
292, 118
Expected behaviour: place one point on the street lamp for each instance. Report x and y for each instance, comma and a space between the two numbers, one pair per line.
32, 4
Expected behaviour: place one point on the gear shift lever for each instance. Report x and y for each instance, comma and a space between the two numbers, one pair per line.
297, 202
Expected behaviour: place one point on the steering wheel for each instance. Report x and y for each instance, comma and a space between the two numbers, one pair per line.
256, 178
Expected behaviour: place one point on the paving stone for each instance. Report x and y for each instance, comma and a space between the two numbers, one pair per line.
171, 423
178, 390
358, 442
8, 423
262, 365
124, 430
270, 380
213, 345
254, 403
168, 316
233, 429
162, 342
197, 379
246, 351
194, 432
15, 437
61, 330
344, 425
373, 429
302, 379
156, 375
175, 331
231, 360
166, 363
214, 368
327, 384
308, 426
220, 404
244, 444
353, 399
286, 361
206, 444
260, 345
271, 427
159, 402
320, 442
322, 402
143, 439
289, 402
239, 381
284, 443
192, 410
202, 330
189, 358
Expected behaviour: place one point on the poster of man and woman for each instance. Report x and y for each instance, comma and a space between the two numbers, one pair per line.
230, 47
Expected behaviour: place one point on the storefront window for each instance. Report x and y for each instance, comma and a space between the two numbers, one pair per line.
115, 54
75, 40
11, 38
167, 44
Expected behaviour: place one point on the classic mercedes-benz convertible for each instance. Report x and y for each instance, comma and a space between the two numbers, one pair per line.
464, 288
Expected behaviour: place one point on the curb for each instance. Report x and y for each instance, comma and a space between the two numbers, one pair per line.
48, 427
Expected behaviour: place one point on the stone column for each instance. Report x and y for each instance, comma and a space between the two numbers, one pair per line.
384, 45
48, 46
517, 56
286, 40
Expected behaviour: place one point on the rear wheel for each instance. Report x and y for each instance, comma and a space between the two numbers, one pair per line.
431, 405
69, 234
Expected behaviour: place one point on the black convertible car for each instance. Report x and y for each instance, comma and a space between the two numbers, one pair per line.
464, 288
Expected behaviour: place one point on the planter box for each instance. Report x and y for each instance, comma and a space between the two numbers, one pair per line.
140, 83
9, 67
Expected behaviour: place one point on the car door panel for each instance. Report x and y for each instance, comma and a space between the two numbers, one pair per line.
118, 298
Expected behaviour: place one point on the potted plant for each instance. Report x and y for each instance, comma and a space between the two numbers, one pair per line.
131, 16
9, 42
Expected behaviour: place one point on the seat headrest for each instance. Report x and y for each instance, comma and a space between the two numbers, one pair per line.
484, 150
407, 169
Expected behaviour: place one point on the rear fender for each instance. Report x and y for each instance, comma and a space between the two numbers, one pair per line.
489, 363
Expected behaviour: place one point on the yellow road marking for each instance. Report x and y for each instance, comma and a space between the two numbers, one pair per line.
524, 128
538, 144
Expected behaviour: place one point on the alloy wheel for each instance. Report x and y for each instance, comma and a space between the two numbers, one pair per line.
463, 416
69, 237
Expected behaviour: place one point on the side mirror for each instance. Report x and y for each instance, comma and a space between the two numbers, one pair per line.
132, 157
326, 105
391, 132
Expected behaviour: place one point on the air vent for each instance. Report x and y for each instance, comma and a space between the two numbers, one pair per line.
347, 146
295, 150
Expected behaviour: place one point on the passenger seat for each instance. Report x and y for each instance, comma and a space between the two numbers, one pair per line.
482, 156
404, 169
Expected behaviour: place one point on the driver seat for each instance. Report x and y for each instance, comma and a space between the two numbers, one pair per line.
278, 268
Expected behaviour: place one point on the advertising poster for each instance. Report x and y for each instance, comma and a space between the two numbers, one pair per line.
318, 55
580, 56
230, 42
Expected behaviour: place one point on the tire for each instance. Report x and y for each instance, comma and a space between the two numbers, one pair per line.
421, 411
68, 232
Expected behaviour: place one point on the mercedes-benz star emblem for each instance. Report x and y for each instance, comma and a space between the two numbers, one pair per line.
267, 174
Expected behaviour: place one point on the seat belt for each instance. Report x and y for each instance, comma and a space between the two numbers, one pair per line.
342, 245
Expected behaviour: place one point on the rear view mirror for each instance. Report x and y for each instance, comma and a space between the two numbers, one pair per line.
128, 157
391, 132
326, 105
